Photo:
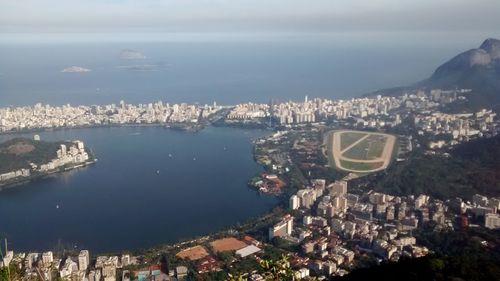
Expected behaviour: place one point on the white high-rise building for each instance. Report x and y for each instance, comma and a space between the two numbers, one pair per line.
338, 188
63, 149
492, 221
95, 275
8, 258
80, 146
294, 202
47, 258
83, 260
283, 228
125, 260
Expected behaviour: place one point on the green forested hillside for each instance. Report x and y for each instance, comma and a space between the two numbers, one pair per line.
473, 167
18, 153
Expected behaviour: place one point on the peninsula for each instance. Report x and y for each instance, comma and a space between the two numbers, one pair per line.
24, 159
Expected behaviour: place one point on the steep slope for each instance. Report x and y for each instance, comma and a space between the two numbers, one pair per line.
477, 69
473, 167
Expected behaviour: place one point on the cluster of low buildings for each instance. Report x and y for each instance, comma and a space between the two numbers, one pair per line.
248, 111
12, 175
270, 183
82, 267
47, 266
452, 129
270, 155
334, 228
480, 211
46, 116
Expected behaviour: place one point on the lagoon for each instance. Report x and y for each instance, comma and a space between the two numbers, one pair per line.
150, 186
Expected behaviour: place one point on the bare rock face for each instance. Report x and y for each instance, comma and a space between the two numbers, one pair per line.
476, 69
485, 57
492, 47
479, 57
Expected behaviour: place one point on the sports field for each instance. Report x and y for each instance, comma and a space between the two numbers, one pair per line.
193, 253
227, 244
360, 152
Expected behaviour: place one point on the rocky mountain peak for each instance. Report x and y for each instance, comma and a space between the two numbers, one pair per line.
492, 47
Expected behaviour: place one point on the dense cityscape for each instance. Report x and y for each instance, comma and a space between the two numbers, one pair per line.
332, 227
216, 140
444, 129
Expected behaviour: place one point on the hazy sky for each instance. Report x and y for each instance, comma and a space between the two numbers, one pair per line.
249, 15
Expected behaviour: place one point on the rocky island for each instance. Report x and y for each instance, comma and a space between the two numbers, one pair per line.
24, 159
75, 69
129, 54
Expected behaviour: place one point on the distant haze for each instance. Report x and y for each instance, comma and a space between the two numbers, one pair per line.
248, 15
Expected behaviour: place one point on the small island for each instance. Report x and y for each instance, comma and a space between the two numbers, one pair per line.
75, 69
24, 159
129, 54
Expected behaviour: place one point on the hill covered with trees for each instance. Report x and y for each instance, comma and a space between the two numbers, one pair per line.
470, 168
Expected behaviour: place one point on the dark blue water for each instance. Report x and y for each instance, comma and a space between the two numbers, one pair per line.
122, 203
224, 71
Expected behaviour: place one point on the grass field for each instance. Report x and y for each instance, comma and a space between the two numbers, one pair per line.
368, 149
349, 138
360, 166
17, 153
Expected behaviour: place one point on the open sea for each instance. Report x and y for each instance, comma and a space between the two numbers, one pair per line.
226, 69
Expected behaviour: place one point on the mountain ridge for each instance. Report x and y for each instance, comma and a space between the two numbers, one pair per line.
477, 69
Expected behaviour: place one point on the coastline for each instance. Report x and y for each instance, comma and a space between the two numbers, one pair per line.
18, 182
37, 130
240, 227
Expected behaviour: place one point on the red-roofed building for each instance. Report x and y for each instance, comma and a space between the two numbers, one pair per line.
208, 264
